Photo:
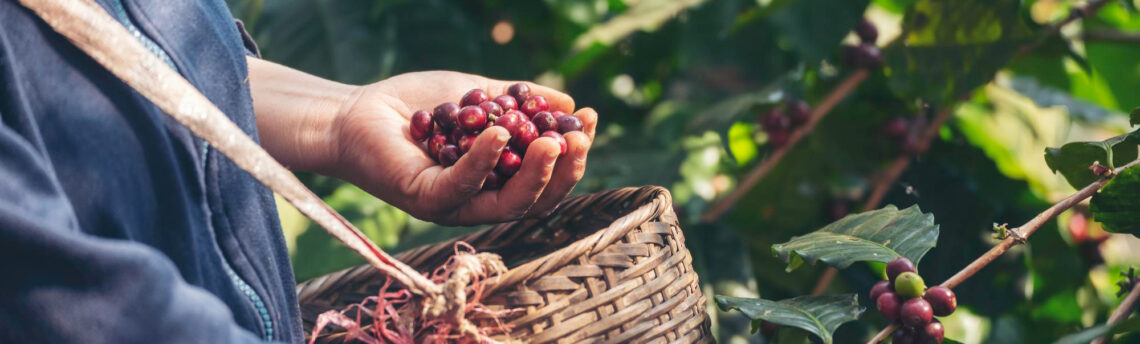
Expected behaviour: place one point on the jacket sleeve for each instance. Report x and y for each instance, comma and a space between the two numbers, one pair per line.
59, 285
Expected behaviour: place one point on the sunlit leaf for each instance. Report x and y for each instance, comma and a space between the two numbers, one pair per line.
878, 235
819, 315
1073, 159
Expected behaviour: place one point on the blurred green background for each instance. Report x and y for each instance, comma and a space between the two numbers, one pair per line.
679, 84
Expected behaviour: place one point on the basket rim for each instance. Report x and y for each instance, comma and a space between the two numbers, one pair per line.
600, 239
656, 204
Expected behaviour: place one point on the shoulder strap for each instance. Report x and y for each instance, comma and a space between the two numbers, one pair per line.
94, 32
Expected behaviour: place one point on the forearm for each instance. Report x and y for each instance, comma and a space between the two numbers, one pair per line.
296, 114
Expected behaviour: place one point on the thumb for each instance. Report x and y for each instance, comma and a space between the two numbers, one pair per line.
458, 183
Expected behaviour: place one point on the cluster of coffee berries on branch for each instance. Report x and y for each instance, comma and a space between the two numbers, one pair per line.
450, 129
866, 54
904, 298
778, 123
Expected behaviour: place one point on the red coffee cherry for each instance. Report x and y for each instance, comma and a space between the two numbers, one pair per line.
421, 125
867, 32
506, 102
494, 181
472, 119
898, 266
492, 108
435, 144
534, 105
465, 143
933, 332
545, 121
557, 138
888, 305
568, 123
916, 312
519, 91
942, 300
474, 98
905, 335
774, 120
448, 155
799, 112
446, 116
511, 121
879, 288
868, 56
509, 163
527, 133
779, 138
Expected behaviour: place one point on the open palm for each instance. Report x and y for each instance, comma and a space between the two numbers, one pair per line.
384, 160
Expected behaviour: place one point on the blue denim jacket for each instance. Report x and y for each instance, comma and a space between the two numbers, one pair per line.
116, 225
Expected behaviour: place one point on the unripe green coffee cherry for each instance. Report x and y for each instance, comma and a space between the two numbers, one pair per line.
909, 285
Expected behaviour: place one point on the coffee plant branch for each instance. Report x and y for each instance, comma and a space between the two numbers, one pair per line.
889, 175
1017, 236
754, 176
1123, 310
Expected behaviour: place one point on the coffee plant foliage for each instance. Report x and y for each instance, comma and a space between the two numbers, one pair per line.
680, 85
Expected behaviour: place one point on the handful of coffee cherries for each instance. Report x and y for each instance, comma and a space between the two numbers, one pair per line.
450, 129
904, 298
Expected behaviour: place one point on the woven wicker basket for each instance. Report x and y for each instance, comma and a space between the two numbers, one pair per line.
607, 267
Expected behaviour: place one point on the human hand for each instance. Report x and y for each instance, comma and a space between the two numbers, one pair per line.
375, 151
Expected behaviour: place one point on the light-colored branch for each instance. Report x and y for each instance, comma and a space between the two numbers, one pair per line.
724, 204
1018, 236
1123, 310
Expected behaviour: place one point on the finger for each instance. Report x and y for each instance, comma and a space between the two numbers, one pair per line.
589, 119
458, 183
567, 172
557, 99
520, 192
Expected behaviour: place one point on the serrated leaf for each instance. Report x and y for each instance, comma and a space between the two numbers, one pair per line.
819, 315
1116, 205
878, 235
1134, 117
1074, 158
1098, 331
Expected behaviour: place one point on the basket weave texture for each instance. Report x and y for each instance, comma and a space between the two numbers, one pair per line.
609, 267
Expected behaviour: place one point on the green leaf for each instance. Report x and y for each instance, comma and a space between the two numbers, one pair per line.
952, 47
1098, 331
1116, 205
819, 315
1074, 158
814, 28
878, 235
1134, 117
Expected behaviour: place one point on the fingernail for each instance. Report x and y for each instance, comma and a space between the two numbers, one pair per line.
501, 141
